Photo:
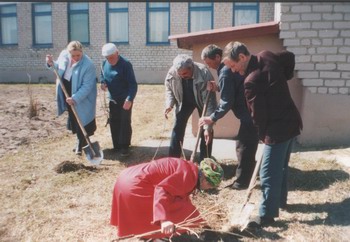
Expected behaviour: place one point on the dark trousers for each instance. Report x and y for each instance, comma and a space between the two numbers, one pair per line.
246, 147
120, 125
178, 134
72, 123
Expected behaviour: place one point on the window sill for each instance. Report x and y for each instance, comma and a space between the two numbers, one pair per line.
42, 46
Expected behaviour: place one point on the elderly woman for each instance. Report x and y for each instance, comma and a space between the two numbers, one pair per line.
155, 195
79, 78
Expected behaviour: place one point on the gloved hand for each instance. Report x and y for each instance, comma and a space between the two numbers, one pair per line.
167, 227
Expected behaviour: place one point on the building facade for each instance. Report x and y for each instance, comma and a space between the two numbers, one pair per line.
30, 30
318, 33
319, 36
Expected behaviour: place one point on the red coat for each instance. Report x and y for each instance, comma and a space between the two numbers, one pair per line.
147, 193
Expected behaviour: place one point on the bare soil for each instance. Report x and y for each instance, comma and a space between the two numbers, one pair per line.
50, 194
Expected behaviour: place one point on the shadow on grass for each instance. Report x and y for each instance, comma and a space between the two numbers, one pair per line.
206, 236
314, 180
337, 213
139, 154
299, 148
229, 170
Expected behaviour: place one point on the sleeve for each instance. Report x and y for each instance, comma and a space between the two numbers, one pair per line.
227, 97
172, 194
102, 76
212, 104
130, 76
61, 63
169, 93
287, 60
87, 83
255, 86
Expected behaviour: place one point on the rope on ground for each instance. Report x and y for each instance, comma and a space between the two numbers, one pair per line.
161, 141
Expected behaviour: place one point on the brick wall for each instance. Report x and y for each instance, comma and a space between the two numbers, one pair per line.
267, 12
319, 36
150, 62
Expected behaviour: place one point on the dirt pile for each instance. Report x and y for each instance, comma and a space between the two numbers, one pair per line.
68, 166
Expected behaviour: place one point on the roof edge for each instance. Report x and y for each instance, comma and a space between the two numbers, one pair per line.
186, 41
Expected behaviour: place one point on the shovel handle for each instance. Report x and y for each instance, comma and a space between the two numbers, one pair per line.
254, 178
75, 113
199, 130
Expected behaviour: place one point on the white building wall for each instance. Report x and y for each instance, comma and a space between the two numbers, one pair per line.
319, 35
150, 62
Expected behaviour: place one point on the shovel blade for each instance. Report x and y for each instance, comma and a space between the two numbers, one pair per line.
94, 156
245, 215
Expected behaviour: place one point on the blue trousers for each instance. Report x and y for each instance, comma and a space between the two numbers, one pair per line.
273, 177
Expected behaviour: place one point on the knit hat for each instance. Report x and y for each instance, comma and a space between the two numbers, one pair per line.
109, 49
212, 171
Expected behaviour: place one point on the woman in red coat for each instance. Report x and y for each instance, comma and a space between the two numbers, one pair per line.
155, 195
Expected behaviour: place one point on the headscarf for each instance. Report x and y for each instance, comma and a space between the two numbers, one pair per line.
212, 171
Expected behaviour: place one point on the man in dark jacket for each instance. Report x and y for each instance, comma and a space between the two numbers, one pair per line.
276, 116
117, 76
232, 98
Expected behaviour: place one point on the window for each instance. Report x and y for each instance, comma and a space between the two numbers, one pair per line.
118, 22
78, 22
245, 13
42, 24
158, 23
200, 16
8, 25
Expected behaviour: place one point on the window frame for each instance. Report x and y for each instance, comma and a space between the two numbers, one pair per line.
197, 9
253, 6
5, 16
156, 9
34, 14
80, 11
116, 10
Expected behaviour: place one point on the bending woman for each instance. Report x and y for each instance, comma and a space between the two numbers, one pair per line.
156, 195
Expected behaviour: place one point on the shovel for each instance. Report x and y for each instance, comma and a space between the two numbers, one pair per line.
205, 107
247, 208
91, 150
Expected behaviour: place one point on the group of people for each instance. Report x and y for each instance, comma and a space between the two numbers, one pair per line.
254, 87
79, 78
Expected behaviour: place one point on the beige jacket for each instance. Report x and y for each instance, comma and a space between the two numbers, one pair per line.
174, 91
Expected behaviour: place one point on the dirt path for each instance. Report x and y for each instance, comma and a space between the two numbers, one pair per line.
40, 204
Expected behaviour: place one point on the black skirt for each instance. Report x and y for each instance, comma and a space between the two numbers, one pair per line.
72, 123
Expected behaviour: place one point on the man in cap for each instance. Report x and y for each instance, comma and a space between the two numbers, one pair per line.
117, 76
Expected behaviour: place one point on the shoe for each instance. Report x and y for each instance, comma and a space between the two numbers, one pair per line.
125, 152
238, 186
258, 222
77, 151
284, 206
